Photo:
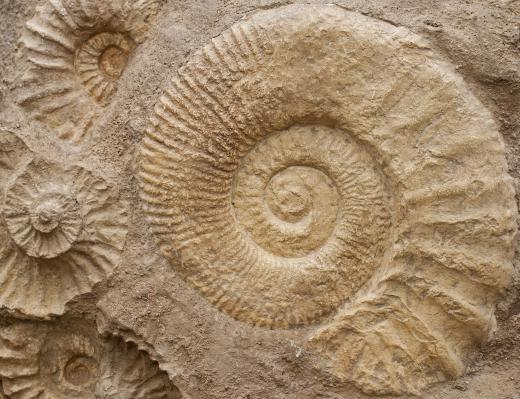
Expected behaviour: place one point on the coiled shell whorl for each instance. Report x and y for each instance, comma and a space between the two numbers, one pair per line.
63, 230
310, 163
63, 362
76, 51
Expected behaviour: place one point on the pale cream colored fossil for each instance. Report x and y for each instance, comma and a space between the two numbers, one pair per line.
77, 51
62, 229
312, 162
73, 361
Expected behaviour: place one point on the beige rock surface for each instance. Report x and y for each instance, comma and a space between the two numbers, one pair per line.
351, 154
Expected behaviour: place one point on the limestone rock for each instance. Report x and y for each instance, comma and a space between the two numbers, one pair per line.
76, 51
311, 162
62, 228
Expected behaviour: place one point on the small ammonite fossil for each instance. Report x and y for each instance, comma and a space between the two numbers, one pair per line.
62, 228
77, 51
101, 61
45, 224
63, 361
315, 166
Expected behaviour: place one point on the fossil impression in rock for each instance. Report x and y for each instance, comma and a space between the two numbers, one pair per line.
62, 230
77, 51
60, 362
311, 162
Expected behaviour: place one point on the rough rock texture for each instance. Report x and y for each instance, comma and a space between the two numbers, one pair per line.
444, 252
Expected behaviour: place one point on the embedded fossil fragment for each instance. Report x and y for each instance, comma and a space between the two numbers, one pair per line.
75, 362
62, 231
310, 162
76, 51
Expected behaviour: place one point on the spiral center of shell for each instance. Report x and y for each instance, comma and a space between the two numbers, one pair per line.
292, 190
291, 193
47, 215
80, 371
112, 62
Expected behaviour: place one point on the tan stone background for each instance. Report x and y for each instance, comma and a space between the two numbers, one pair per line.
208, 354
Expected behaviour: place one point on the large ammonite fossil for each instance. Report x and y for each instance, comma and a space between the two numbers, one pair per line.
63, 362
77, 50
62, 228
312, 162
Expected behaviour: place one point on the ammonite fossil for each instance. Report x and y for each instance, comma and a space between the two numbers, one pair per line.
310, 163
63, 362
77, 51
62, 229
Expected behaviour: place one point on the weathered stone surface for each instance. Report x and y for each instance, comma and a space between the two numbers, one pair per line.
292, 170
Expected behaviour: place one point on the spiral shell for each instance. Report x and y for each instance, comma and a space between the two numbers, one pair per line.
62, 231
68, 364
62, 362
45, 223
77, 51
311, 161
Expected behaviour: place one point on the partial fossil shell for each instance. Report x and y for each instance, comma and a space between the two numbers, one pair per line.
311, 162
60, 362
63, 231
77, 51
142, 380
